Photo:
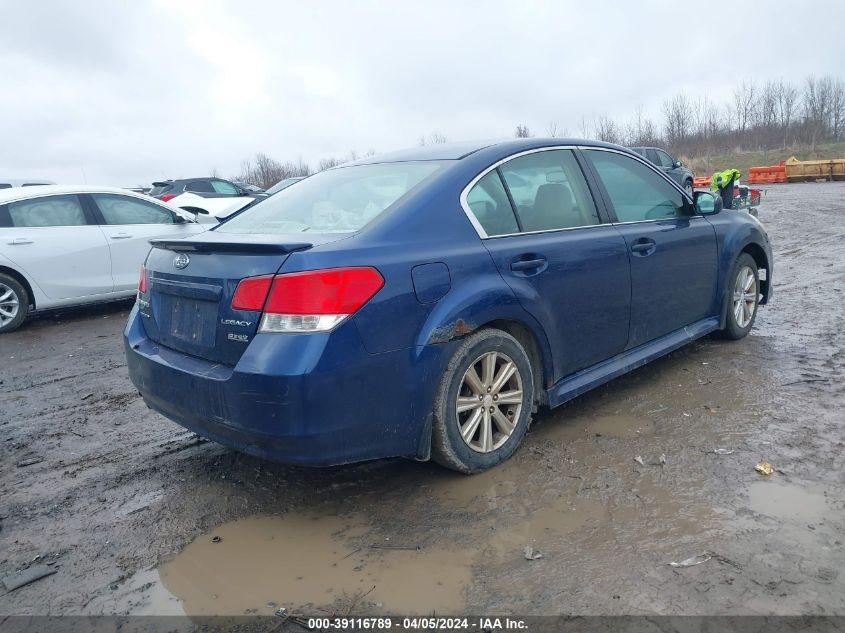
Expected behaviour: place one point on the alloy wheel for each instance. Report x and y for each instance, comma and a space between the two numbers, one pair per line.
9, 304
489, 402
745, 296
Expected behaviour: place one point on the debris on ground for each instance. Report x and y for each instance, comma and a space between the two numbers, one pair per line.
723, 451
216, 539
764, 468
281, 612
639, 460
692, 561
26, 576
30, 461
532, 554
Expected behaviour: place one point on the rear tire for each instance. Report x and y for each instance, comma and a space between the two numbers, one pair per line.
743, 298
14, 303
491, 381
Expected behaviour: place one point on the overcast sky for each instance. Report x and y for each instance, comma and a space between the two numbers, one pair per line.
126, 92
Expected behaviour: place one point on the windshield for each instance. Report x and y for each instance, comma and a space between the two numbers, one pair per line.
340, 200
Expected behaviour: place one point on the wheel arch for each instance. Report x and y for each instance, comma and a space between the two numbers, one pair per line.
22, 280
759, 256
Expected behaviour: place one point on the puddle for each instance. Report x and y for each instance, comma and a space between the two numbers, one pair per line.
294, 561
572, 427
787, 501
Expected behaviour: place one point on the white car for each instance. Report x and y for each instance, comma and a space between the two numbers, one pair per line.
71, 245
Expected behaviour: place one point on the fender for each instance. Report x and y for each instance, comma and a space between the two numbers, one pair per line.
471, 305
731, 243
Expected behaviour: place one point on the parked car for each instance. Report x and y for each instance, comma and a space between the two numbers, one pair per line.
8, 183
411, 305
283, 184
70, 245
675, 169
206, 187
249, 187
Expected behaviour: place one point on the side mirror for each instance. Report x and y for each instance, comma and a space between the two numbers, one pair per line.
677, 164
706, 203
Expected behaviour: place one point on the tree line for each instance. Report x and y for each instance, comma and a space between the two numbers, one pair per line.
753, 117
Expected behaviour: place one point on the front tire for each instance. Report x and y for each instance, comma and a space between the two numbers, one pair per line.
688, 187
743, 298
14, 303
484, 404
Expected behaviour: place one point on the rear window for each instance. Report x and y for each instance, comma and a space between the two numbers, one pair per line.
339, 200
157, 190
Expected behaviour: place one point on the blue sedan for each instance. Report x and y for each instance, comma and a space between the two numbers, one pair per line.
424, 303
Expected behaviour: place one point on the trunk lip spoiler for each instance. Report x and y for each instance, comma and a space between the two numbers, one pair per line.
182, 245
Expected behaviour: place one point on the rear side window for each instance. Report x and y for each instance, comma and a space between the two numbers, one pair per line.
636, 191
340, 200
63, 210
489, 203
549, 191
117, 209
221, 186
5, 185
199, 186
665, 160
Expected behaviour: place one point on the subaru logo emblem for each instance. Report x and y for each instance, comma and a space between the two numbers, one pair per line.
181, 261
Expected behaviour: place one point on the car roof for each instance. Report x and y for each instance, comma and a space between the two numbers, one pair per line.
24, 193
459, 151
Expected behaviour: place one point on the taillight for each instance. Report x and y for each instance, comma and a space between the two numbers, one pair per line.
168, 196
310, 301
251, 293
142, 282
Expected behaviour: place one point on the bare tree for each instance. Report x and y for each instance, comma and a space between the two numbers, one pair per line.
435, 138
522, 131
787, 99
552, 129
678, 118
837, 109
213, 173
607, 130
744, 105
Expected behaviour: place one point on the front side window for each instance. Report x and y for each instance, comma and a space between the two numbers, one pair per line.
489, 203
549, 191
221, 186
199, 186
636, 191
117, 209
63, 210
341, 200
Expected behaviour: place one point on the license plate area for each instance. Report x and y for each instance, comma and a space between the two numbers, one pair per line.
191, 321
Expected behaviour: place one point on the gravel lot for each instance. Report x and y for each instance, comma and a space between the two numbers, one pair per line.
123, 504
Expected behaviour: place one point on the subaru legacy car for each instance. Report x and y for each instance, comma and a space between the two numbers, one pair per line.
422, 304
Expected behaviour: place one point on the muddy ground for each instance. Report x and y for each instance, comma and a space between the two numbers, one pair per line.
123, 504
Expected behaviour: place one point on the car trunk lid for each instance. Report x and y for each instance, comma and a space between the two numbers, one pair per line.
190, 283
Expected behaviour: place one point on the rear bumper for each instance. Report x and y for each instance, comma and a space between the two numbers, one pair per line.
315, 399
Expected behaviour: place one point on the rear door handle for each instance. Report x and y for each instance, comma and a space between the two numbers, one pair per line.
528, 264
20, 240
643, 247
120, 236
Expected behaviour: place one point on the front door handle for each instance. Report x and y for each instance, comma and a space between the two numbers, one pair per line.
120, 236
20, 240
643, 247
528, 264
